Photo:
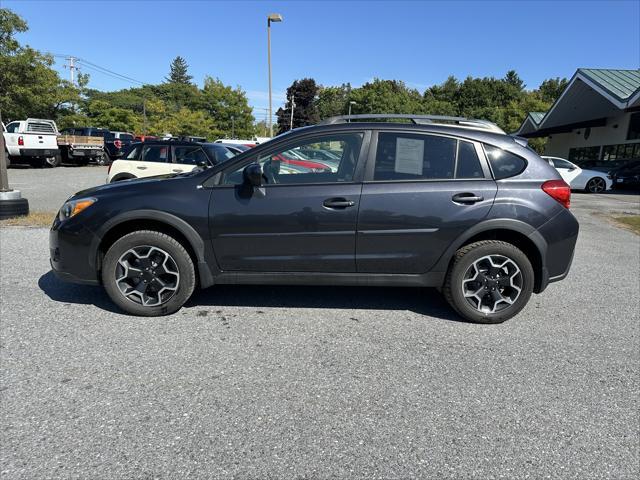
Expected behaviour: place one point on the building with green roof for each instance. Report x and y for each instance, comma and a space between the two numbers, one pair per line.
595, 121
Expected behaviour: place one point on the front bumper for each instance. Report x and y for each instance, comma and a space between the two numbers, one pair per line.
70, 253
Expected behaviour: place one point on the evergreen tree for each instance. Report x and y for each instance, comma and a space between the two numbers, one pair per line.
179, 72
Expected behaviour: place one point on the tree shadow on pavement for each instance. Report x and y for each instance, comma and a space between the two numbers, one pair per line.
65, 292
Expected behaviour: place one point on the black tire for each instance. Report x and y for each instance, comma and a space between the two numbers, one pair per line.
119, 178
103, 159
18, 207
182, 262
596, 185
463, 261
53, 162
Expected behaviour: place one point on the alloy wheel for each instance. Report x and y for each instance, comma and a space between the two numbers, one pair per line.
147, 275
492, 283
596, 185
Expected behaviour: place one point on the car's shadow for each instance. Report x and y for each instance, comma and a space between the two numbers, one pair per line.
424, 301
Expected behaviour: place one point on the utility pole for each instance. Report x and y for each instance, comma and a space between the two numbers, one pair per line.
292, 104
72, 68
144, 117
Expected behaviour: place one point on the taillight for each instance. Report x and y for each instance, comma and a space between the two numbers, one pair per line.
559, 191
20, 140
117, 143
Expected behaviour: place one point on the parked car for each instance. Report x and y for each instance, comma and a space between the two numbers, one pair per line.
591, 181
627, 176
115, 144
454, 204
236, 148
80, 145
32, 141
166, 157
143, 138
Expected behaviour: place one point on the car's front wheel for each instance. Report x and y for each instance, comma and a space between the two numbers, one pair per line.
596, 185
148, 273
489, 281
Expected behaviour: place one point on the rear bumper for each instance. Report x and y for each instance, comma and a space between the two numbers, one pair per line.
39, 152
560, 234
84, 153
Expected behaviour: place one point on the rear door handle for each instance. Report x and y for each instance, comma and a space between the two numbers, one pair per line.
177, 170
467, 198
338, 203
141, 168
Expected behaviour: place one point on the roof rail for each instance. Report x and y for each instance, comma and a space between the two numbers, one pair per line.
420, 120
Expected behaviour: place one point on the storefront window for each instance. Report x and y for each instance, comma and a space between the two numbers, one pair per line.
623, 151
583, 153
634, 127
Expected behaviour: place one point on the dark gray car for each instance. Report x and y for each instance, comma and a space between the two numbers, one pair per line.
440, 202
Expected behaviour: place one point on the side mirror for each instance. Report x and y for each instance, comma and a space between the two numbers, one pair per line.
252, 175
202, 163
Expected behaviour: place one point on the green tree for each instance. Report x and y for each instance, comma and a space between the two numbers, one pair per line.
179, 72
333, 101
304, 92
29, 87
228, 108
386, 96
552, 88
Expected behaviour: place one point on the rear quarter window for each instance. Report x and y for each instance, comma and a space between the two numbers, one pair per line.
504, 164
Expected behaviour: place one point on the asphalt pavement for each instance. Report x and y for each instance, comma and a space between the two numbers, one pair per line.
322, 382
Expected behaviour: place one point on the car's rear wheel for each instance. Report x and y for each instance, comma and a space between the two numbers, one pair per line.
148, 273
54, 161
596, 185
489, 281
103, 159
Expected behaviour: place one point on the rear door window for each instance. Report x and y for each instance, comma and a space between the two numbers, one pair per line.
13, 127
189, 155
155, 153
406, 156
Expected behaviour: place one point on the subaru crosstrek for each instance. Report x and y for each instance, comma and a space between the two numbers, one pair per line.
426, 201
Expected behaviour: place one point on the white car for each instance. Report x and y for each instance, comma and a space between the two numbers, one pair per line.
161, 157
591, 181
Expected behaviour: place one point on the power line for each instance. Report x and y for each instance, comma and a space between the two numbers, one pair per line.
100, 69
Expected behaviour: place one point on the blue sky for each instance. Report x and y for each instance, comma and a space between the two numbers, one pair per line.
419, 42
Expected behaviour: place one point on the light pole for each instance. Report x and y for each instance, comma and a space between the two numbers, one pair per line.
292, 105
272, 17
350, 104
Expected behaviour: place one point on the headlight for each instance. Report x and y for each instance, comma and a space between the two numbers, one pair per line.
73, 207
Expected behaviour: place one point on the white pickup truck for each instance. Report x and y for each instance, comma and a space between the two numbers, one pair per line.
33, 141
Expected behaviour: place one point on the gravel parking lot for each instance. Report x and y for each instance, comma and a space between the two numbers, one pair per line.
318, 382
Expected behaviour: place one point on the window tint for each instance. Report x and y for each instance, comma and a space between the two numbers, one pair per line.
189, 155
220, 154
155, 153
13, 127
560, 163
125, 136
468, 165
414, 157
503, 163
292, 165
134, 153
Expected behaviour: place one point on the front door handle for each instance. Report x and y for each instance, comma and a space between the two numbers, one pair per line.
177, 170
338, 203
467, 198
141, 168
